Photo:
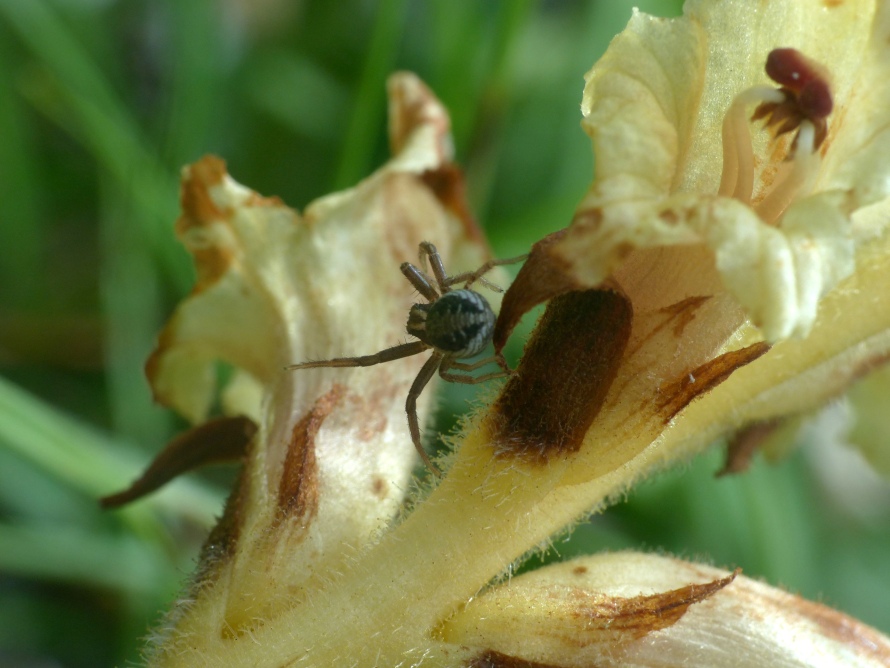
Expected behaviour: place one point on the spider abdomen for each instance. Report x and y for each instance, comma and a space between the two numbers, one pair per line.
459, 323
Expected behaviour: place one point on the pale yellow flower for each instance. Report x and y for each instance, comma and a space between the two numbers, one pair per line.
703, 285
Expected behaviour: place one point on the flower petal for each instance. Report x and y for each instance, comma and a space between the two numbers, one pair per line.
332, 457
628, 609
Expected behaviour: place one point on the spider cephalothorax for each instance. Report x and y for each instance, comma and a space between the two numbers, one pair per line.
455, 323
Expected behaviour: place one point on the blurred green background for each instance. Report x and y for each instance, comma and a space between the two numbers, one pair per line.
104, 100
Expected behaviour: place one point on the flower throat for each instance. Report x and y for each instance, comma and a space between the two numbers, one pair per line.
801, 104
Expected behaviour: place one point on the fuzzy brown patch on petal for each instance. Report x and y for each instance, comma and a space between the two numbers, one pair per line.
678, 394
544, 276
223, 439
548, 404
298, 487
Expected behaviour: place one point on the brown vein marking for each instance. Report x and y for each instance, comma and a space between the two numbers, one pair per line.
548, 404
542, 277
683, 312
298, 487
449, 186
641, 615
222, 439
492, 659
680, 393
678, 315
154, 363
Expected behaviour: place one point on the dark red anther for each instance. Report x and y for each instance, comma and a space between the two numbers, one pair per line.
803, 78
807, 95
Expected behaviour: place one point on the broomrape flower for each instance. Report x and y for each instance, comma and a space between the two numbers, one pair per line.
728, 266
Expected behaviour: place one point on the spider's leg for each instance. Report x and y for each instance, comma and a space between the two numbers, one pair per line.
388, 355
473, 276
471, 366
426, 372
420, 281
427, 250
469, 380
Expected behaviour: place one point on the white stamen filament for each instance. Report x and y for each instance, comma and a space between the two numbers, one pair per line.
737, 180
804, 165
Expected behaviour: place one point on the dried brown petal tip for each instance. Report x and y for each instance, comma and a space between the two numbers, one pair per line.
706, 377
745, 444
542, 277
220, 440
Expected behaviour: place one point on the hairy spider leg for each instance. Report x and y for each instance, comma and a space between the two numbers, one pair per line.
497, 358
448, 364
388, 355
426, 372
429, 251
420, 281
479, 275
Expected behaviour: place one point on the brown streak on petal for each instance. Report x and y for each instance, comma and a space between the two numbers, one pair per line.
851, 633
745, 444
867, 365
449, 186
542, 277
369, 411
379, 487
640, 615
152, 368
218, 440
679, 315
492, 659
298, 487
683, 312
548, 404
254, 199
680, 393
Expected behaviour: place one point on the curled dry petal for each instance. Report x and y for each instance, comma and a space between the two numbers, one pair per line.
635, 610
331, 458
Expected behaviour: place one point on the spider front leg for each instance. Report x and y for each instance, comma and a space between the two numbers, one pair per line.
388, 355
420, 281
429, 251
426, 372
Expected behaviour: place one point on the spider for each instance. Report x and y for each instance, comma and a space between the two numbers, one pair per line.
455, 323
